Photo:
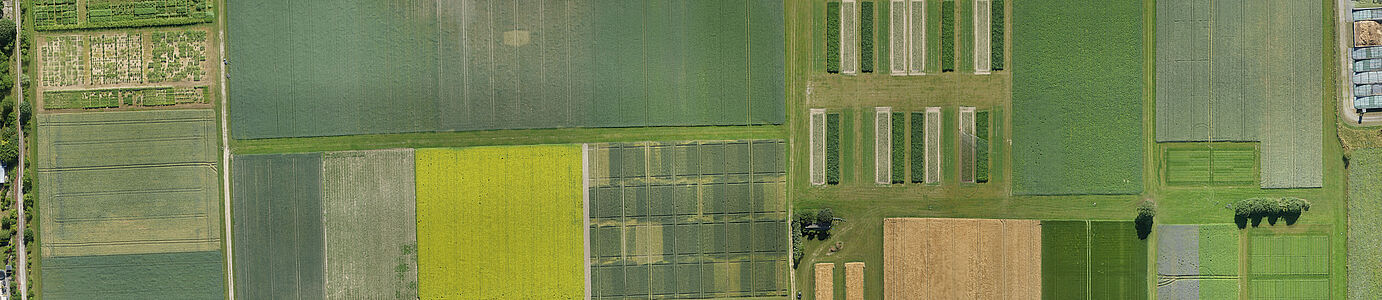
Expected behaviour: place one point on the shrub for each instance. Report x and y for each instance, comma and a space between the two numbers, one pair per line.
899, 154
797, 252
832, 148
825, 217
918, 147
866, 37
1145, 213
948, 36
832, 37
996, 41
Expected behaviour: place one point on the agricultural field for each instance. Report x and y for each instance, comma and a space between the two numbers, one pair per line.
63, 60
849, 37
124, 97
177, 56
832, 148
370, 196
184, 275
898, 157
1063, 141
908, 30
100, 174
1213, 164
125, 69
1293, 265
1197, 261
1092, 260
486, 218
116, 58
516, 65
278, 226
688, 219
1364, 229
883, 143
71, 14
818, 149
1223, 76
984, 258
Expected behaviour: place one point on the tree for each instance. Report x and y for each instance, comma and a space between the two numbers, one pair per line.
6, 33
1145, 213
825, 217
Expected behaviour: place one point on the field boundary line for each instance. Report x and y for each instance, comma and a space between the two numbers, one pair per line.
585, 210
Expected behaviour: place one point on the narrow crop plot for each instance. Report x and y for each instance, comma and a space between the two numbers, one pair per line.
918, 146
688, 219
866, 36
486, 65
1364, 228
62, 57
933, 145
854, 281
500, 222
64, 14
124, 97
825, 281
998, 34
832, 148
981, 146
983, 259
967, 144
1104, 258
1064, 140
279, 238
369, 219
982, 36
818, 146
849, 37
177, 56
883, 143
947, 35
899, 148
832, 36
101, 174
117, 58
1205, 164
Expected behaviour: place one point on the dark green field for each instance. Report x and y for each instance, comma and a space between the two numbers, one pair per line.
278, 226
308, 68
186, 275
1092, 260
1065, 259
694, 219
1077, 98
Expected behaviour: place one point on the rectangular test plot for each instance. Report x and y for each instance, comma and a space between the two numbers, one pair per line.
916, 37
897, 37
967, 140
982, 51
933, 145
849, 37
882, 150
818, 146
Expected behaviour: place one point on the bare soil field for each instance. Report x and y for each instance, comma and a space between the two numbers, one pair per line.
983, 258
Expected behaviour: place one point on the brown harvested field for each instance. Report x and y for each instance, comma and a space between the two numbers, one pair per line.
930, 258
854, 281
825, 281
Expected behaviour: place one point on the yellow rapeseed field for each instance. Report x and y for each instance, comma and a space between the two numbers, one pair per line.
500, 223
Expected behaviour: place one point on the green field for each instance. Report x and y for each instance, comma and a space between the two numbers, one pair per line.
500, 222
370, 226
276, 199
1218, 249
1218, 288
67, 14
1364, 228
186, 275
101, 174
480, 65
832, 148
1064, 138
1195, 164
688, 219
1092, 260
1288, 264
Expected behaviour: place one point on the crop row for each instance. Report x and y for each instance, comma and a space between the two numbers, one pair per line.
127, 97
832, 37
996, 28
832, 148
918, 147
54, 13
899, 155
981, 146
63, 14
866, 55
948, 36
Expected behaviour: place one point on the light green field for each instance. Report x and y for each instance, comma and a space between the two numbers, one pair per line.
370, 196
500, 222
1364, 228
1195, 164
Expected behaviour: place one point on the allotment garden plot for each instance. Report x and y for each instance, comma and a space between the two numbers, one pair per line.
500, 222
300, 220
688, 219
481, 65
1244, 71
101, 175
132, 68
74, 14
1077, 117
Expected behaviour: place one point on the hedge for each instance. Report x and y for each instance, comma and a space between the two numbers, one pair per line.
832, 148
981, 146
866, 37
899, 154
832, 37
996, 42
918, 147
948, 36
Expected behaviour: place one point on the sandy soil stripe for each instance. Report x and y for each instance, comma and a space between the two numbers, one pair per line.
825, 281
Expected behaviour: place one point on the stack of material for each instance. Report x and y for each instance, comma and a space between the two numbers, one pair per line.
1367, 33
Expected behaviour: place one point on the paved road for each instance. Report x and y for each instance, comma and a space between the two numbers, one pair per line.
18, 182
1345, 32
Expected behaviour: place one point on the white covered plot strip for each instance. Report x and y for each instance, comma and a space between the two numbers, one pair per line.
818, 146
916, 41
933, 145
849, 37
982, 24
967, 140
897, 37
883, 145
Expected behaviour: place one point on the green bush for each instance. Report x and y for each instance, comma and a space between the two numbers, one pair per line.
832, 37
1145, 213
899, 154
866, 37
981, 146
832, 148
996, 42
918, 147
948, 36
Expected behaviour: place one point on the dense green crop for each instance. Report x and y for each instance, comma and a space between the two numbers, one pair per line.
124, 97
918, 147
832, 148
62, 14
832, 37
996, 28
981, 146
183, 275
948, 36
278, 226
899, 154
1364, 227
866, 38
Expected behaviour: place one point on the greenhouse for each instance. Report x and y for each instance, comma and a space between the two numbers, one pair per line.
1367, 14
1369, 102
1367, 90
1367, 53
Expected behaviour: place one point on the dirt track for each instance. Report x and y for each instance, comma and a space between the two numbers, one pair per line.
983, 258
